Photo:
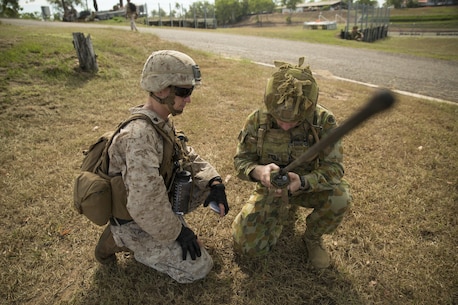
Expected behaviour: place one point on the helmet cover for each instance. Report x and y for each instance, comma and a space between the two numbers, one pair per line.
291, 93
166, 68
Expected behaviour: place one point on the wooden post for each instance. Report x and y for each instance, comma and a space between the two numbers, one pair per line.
86, 55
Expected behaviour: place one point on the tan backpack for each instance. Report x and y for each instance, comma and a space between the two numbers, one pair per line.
95, 194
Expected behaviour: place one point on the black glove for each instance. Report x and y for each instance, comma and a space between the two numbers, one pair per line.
218, 194
188, 242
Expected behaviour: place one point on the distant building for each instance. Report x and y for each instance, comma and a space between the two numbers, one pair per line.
316, 6
436, 2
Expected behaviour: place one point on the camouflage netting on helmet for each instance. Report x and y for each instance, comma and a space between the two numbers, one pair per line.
291, 92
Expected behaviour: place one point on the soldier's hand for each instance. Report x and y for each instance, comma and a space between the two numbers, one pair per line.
218, 195
188, 242
262, 173
295, 182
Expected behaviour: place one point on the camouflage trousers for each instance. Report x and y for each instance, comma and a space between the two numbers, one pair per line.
258, 226
164, 257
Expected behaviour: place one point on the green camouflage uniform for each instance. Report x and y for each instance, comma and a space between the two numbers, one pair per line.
258, 226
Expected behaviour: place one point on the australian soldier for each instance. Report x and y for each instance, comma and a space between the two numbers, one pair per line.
164, 178
287, 125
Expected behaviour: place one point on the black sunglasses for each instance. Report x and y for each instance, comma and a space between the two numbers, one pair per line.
183, 92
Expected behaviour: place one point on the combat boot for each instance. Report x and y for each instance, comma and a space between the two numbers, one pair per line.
106, 248
318, 256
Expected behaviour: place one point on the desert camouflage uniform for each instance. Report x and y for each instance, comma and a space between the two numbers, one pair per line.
258, 226
136, 153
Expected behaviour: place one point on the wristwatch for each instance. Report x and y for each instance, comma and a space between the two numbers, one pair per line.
302, 187
217, 178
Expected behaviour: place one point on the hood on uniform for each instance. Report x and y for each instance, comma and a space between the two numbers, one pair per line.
291, 92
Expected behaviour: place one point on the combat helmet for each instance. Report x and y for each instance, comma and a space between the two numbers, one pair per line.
169, 68
291, 92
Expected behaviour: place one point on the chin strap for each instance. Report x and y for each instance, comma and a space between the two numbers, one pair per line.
169, 101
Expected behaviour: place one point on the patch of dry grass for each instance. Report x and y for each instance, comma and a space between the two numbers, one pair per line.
397, 245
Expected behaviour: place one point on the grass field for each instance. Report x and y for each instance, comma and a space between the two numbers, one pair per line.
398, 244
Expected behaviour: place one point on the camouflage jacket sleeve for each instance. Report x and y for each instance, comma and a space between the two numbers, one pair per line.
203, 171
246, 157
136, 153
329, 169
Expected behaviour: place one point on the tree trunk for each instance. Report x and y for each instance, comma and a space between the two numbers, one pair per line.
86, 55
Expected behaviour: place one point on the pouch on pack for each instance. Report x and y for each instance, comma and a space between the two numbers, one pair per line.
95, 194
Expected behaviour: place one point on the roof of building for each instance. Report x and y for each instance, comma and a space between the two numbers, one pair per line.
321, 3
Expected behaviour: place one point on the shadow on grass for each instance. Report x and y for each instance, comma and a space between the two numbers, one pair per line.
130, 282
285, 277
282, 277
134, 283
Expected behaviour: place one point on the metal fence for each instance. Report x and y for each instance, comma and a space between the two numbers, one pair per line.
366, 23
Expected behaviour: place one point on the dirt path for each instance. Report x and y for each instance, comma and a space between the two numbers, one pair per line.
429, 77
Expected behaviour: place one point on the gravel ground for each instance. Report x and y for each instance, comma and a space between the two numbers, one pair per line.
433, 78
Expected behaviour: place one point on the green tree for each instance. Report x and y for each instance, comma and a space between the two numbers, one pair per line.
228, 11
158, 13
395, 3
65, 4
367, 2
10, 8
67, 7
200, 9
179, 9
412, 3
34, 16
259, 6
291, 5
